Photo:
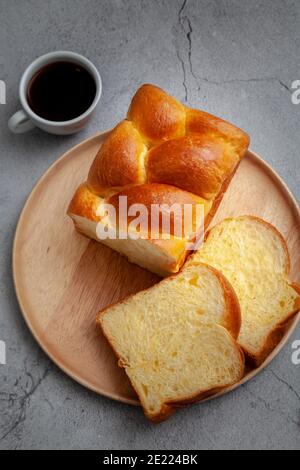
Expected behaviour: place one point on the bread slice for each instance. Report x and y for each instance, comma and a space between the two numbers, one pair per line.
253, 256
173, 339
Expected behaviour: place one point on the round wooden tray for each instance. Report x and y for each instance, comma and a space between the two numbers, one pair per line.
63, 279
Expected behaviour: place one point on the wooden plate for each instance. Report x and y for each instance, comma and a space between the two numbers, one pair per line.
63, 279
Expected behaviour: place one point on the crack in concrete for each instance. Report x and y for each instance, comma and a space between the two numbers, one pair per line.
184, 75
189, 38
23, 400
245, 80
182, 7
186, 27
282, 84
286, 384
181, 60
182, 20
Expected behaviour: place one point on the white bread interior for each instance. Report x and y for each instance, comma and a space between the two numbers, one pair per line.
253, 256
160, 258
172, 339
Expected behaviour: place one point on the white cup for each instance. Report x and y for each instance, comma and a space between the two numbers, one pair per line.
26, 119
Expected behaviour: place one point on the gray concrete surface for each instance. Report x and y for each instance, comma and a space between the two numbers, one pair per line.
234, 58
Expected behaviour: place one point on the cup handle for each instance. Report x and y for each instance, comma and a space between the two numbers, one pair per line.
20, 123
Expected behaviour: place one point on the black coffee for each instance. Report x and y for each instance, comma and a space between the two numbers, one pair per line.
61, 91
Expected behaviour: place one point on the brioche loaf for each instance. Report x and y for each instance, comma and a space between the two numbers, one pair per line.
253, 256
176, 339
162, 153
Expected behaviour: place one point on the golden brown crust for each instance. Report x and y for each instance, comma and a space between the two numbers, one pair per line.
119, 161
84, 203
207, 124
158, 194
192, 159
296, 287
232, 320
153, 193
157, 115
276, 335
273, 339
218, 199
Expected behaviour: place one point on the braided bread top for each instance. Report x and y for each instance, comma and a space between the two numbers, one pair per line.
163, 142
162, 154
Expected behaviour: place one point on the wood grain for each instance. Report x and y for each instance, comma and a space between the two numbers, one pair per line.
63, 279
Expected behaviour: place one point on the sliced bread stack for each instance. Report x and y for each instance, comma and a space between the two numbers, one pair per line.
182, 340
176, 340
